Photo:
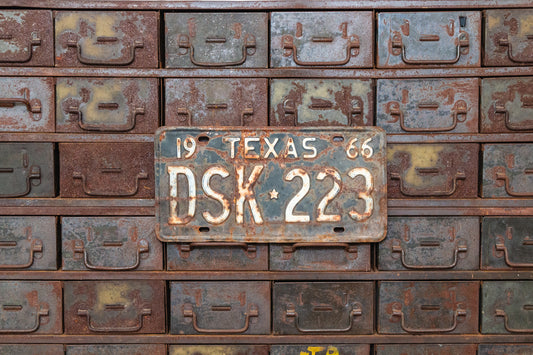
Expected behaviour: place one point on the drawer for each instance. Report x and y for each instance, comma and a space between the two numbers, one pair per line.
504, 349
323, 307
220, 307
321, 102
200, 40
218, 349
30, 307
507, 105
27, 38
425, 349
27, 170
428, 105
117, 349
31, 349
114, 105
110, 244
106, 38
28, 243
430, 243
98, 307
432, 170
330, 39
428, 307
106, 170
322, 349
416, 39
216, 102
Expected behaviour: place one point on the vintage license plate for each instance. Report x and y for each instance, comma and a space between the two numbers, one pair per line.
271, 185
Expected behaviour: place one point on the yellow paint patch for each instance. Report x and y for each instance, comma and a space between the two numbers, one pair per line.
526, 26
493, 22
111, 293
422, 156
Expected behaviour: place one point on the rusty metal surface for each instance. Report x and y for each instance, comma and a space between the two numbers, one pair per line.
218, 350
107, 105
428, 307
321, 39
110, 244
426, 349
451, 38
209, 40
102, 38
100, 307
31, 349
230, 308
106, 170
117, 349
321, 349
504, 349
321, 102
216, 102
432, 170
428, 105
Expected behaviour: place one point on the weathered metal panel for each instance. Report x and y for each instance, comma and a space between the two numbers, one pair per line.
323, 308
321, 349
117, 349
218, 350
31, 349
216, 102
504, 349
426, 349
321, 39
321, 102
220, 307
216, 40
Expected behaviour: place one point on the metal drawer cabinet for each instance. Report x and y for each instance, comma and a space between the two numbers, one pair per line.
430, 243
110, 244
432, 170
216, 102
106, 38
321, 349
426, 307
31, 349
426, 349
428, 105
206, 40
218, 349
409, 39
321, 39
321, 102
115, 105
106, 170
504, 349
323, 307
98, 307
117, 349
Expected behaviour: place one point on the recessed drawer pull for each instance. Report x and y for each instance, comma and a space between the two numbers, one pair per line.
133, 328
35, 247
463, 41
460, 108
458, 249
502, 313
397, 312
451, 186
102, 40
40, 312
35, 41
510, 191
188, 312
91, 192
504, 42
142, 247
356, 311
352, 50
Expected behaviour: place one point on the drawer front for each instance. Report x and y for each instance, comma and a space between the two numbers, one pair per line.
218, 349
220, 307
216, 102
116, 105
428, 105
504, 349
432, 170
110, 244
27, 170
31, 349
428, 307
418, 39
106, 170
323, 308
203, 40
322, 349
30, 307
426, 349
98, 307
321, 102
430, 243
321, 39
105, 38
117, 349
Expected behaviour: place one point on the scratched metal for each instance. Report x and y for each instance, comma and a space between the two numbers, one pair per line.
106, 170
27, 170
28, 243
428, 307
426, 349
117, 349
432, 170
114, 105
504, 349
507, 105
26, 38
321, 39
105, 38
266, 205
218, 350
30, 307
323, 308
230, 308
430, 243
507, 307
100, 307
207, 40
321, 349
31, 349
216, 102
428, 105
110, 244
429, 39
321, 102
508, 37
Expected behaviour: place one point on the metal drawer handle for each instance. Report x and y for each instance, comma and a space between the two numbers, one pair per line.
352, 50
502, 247
448, 191
32, 105
186, 248
102, 40
41, 312
144, 312
498, 108
463, 42
248, 49
142, 247
290, 249
34, 173
35, 41
356, 311
128, 126
503, 176
458, 249
87, 191
502, 313
504, 42
397, 312
460, 108
289, 108
36, 246
188, 312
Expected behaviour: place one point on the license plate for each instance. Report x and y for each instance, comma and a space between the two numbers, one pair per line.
271, 185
